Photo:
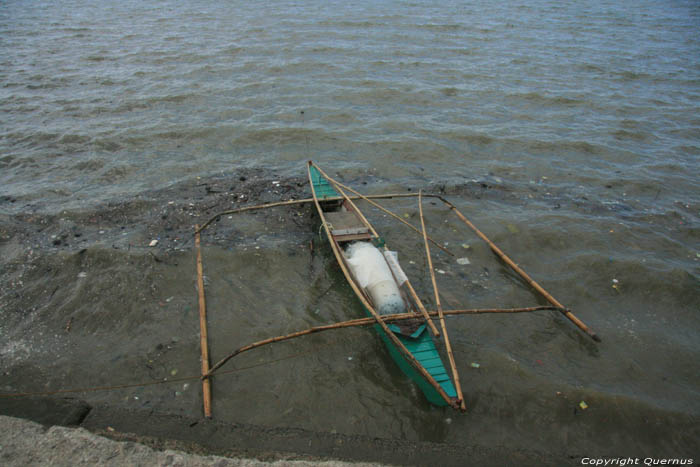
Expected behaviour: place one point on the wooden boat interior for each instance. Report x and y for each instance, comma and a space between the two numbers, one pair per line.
347, 226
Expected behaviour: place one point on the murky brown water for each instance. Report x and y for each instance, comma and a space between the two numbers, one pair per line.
567, 133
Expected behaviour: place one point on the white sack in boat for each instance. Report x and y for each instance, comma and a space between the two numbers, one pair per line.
372, 272
393, 259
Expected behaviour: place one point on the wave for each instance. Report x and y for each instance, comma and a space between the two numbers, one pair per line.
547, 100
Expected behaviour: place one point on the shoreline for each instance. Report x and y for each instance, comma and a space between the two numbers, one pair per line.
202, 437
85, 286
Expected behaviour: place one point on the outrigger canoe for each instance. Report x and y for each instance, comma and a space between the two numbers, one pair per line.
388, 298
352, 239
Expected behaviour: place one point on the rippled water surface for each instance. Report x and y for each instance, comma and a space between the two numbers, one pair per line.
569, 132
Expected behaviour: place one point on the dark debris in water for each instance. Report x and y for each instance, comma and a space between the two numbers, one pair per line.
168, 215
80, 281
156, 226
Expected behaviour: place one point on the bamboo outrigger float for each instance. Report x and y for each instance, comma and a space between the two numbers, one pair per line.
391, 303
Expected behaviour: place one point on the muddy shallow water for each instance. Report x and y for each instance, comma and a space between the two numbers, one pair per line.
88, 303
566, 132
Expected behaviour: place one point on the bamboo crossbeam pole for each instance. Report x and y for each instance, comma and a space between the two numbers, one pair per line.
402, 348
367, 322
446, 337
206, 382
565, 311
292, 202
382, 208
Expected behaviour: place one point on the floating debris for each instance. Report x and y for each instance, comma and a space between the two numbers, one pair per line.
583, 405
616, 285
463, 261
475, 365
154, 242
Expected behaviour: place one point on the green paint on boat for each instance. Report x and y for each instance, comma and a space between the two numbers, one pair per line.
322, 188
420, 343
423, 348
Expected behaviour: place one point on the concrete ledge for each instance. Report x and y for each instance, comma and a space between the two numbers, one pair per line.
45, 410
201, 436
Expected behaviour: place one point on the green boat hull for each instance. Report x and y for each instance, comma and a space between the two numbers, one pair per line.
420, 343
422, 346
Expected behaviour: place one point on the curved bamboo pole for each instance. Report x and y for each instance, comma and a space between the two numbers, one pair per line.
448, 347
406, 353
565, 311
367, 322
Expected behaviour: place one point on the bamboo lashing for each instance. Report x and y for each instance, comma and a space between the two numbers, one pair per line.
406, 353
206, 382
366, 322
565, 311
446, 337
410, 288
